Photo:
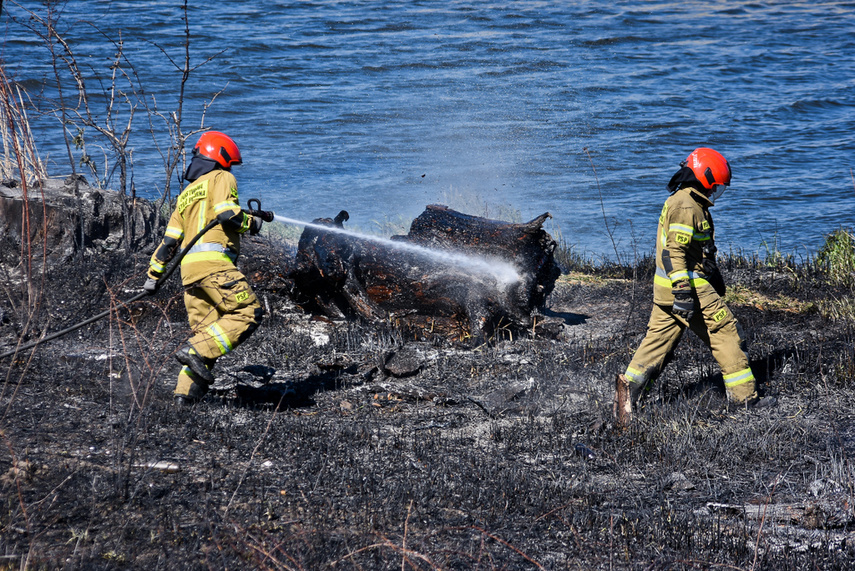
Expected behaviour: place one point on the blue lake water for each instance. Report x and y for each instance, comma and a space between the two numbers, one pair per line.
582, 109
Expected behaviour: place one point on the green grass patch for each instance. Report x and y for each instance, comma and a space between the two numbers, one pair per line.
837, 257
837, 309
741, 295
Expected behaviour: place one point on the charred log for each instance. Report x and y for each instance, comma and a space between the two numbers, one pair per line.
452, 275
321, 269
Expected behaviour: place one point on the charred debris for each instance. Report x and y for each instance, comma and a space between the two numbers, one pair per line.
453, 275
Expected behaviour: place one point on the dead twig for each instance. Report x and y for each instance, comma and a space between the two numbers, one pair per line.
509, 546
390, 545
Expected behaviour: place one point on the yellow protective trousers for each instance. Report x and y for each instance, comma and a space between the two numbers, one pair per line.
715, 325
223, 312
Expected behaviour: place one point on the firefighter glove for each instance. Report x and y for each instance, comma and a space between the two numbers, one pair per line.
255, 225
684, 301
150, 286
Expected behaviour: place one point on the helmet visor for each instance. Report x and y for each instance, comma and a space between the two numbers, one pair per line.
717, 191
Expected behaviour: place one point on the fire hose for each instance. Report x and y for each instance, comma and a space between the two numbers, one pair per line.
263, 215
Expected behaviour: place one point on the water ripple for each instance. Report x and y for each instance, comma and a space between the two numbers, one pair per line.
498, 101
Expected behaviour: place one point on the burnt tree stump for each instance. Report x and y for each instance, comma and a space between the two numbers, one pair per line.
453, 275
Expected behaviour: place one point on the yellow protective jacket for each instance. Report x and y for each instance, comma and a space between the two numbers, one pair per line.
212, 196
685, 229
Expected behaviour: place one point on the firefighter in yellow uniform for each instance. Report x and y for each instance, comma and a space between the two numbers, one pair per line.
222, 309
688, 288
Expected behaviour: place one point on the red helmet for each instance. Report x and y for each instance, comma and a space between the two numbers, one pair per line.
218, 147
709, 166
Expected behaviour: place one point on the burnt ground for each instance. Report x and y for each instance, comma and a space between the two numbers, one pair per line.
349, 445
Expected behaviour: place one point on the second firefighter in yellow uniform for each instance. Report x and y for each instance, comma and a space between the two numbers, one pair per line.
688, 287
221, 307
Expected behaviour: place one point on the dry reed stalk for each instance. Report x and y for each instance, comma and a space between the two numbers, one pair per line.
19, 150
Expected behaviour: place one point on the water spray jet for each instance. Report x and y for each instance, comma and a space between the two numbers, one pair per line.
503, 272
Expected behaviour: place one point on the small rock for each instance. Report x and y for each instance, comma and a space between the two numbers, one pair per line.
500, 400
405, 362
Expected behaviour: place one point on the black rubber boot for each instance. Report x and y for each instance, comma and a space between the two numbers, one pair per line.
636, 391
188, 357
762, 402
196, 393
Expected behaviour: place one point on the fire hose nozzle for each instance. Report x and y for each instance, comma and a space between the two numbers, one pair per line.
265, 215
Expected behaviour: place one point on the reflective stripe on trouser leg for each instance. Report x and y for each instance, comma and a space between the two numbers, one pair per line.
663, 334
186, 378
735, 383
634, 375
220, 337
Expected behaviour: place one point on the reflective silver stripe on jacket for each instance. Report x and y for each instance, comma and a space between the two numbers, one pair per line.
696, 278
198, 248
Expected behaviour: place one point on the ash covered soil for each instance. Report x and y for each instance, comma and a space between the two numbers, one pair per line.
353, 445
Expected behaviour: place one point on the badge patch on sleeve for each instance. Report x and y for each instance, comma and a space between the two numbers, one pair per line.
719, 315
705, 225
682, 238
242, 296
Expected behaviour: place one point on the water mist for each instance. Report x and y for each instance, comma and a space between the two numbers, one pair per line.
503, 272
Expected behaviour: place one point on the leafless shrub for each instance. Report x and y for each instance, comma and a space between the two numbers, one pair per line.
110, 109
19, 160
